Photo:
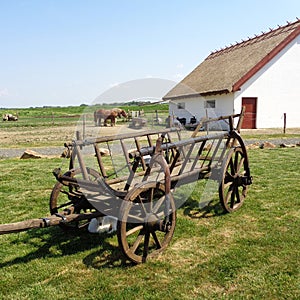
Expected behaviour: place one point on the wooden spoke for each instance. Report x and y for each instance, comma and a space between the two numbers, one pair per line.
157, 241
136, 243
158, 204
146, 245
66, 196
134, 230
140, 201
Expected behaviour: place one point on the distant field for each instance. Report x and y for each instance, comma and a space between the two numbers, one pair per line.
43, 116
52, 126
40, 116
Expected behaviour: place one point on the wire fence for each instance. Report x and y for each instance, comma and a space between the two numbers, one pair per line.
82, 120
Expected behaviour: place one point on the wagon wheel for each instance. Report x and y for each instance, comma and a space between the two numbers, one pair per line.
147, 221
62, 197
232, 189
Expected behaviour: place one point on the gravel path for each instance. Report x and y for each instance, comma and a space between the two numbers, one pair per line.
277, 142
57, 151
17, 152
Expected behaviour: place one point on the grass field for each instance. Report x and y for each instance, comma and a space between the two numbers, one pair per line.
253, 253
57, 116
53, 126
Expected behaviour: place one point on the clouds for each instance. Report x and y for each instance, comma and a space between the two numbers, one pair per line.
178, 76
4, 92
139, 89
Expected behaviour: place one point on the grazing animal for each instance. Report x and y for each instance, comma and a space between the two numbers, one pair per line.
108, 114
9, 117
120, 112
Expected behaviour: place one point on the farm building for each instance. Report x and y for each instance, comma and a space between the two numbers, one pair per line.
261, 73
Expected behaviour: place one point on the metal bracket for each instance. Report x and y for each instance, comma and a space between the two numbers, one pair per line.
46, 222
63, 218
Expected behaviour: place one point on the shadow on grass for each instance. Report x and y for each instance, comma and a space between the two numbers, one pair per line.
54, 242
209, 209
109, 258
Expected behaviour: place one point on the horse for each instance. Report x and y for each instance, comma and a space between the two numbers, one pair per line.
108, 114
120, 112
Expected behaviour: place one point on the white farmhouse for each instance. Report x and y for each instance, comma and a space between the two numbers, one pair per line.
261, 73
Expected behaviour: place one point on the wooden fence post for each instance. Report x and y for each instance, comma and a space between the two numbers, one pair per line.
284, 123
83, 125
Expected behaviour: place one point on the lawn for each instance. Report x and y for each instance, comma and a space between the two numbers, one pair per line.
69, 115
253, 253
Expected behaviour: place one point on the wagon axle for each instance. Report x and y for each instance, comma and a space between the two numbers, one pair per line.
246, 180
153, 223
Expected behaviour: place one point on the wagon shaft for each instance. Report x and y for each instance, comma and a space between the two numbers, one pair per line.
46, 222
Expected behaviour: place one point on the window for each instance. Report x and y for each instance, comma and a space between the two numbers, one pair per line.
181, 105
210, 104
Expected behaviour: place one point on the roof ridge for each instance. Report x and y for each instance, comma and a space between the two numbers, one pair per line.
264, 35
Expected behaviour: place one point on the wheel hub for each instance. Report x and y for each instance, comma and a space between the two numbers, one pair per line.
153, 223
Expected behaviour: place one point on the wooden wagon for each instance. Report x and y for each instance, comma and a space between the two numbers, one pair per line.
134, 182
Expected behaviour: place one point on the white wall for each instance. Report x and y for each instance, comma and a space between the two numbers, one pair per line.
277, 88
192, 107
195, 107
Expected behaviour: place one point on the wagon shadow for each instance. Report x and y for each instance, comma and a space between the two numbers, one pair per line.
54, 242
209, 209
109, 258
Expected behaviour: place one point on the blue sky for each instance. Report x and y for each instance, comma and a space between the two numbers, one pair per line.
68, 52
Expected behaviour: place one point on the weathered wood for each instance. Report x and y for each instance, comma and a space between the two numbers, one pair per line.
122, 136
46, 222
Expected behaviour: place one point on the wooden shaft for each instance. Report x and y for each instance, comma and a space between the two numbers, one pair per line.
45, 222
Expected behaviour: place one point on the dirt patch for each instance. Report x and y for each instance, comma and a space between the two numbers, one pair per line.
11, 137
20, 136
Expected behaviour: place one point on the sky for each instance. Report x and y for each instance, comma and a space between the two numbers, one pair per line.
70, 52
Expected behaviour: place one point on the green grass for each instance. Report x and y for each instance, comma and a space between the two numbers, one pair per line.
253, 253
66, 116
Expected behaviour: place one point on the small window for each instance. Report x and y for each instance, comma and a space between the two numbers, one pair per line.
181, 105
210, 104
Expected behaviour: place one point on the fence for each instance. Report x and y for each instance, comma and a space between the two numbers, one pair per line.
82, 121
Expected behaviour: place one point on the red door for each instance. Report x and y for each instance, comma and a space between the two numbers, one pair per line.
250, 113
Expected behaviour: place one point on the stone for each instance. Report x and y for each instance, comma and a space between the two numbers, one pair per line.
267, 145
287, 145
30, 154
253, 146
104, 151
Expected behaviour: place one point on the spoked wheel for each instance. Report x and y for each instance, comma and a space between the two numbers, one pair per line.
233, 187
62, 197
147, 221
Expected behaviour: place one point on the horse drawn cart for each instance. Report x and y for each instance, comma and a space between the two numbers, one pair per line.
139, 193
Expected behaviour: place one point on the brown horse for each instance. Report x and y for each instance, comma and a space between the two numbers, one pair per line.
108, 114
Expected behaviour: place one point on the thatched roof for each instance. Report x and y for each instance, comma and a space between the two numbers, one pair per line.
224, 71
